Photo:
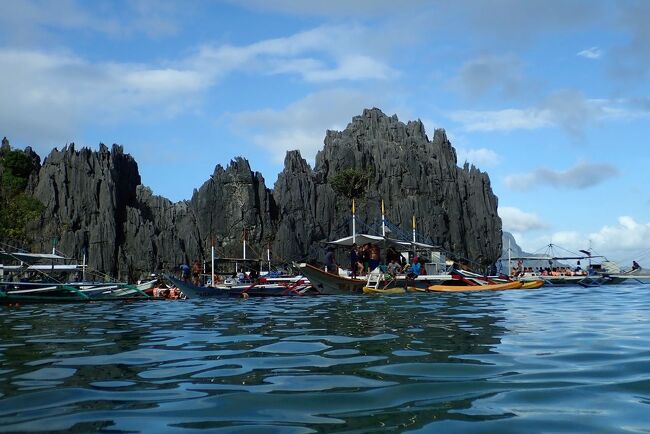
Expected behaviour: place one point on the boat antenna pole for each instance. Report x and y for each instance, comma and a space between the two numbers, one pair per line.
383, 220
268, 255
354, 225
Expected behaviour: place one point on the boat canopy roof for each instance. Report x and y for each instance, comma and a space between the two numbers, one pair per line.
548, 258
31, 256
360, 239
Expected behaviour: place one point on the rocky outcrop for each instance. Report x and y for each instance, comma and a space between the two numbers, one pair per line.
454, 207
94, 202
86, 195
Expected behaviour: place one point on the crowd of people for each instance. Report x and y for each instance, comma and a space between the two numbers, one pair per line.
548, 271
367, 257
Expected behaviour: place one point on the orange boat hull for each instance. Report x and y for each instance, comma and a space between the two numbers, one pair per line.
468, 288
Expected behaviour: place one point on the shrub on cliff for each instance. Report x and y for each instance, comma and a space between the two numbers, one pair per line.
16, 207
351, 183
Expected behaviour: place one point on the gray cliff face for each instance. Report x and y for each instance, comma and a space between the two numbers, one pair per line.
454, 207
86, 195
234, 199
94, 201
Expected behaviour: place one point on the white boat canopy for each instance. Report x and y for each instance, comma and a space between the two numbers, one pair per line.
32, 256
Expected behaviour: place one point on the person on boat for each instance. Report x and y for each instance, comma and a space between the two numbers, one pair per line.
330, 261
415, 268
635, 265
161, 292
364, 256
358, 267
185, 271
196, 271
391, 254
393, 267
374, 257
354, 258
423, 269
241, 276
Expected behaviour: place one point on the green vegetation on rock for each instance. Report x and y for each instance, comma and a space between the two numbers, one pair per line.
17, 208
351, 183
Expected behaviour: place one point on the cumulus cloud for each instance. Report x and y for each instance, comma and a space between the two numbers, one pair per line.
621, 241
581, 176
516, 220
627, 234
481, 157
302, 124
591, 53
486, 74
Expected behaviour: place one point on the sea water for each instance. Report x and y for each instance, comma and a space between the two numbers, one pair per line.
554, 359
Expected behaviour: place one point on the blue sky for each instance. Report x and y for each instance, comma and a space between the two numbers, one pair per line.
550, 98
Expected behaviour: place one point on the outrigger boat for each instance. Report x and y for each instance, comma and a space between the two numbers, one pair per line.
599, 270
37, 293
258, 288
344, 283
44, 283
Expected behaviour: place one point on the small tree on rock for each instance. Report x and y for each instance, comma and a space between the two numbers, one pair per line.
351, 183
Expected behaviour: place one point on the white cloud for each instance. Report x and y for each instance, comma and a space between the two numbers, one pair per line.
591, 53
502, 120
624, 240
46, 96
326, 53
582, 175
302, 124
481, 157
517, 221
567, 109
627, 235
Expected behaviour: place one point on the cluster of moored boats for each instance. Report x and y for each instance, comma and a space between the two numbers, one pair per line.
41, 280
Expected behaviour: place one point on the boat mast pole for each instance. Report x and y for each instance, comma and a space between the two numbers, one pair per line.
83, 266
383, 220
509, 259
354, 225
212, 262
268, 256
244, 243
414, 234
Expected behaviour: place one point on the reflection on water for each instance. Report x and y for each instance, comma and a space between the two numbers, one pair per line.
558, 360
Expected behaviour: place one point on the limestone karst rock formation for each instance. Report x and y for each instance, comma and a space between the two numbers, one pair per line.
454, 207
94, 200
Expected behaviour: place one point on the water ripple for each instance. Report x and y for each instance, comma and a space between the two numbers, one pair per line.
555, 359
